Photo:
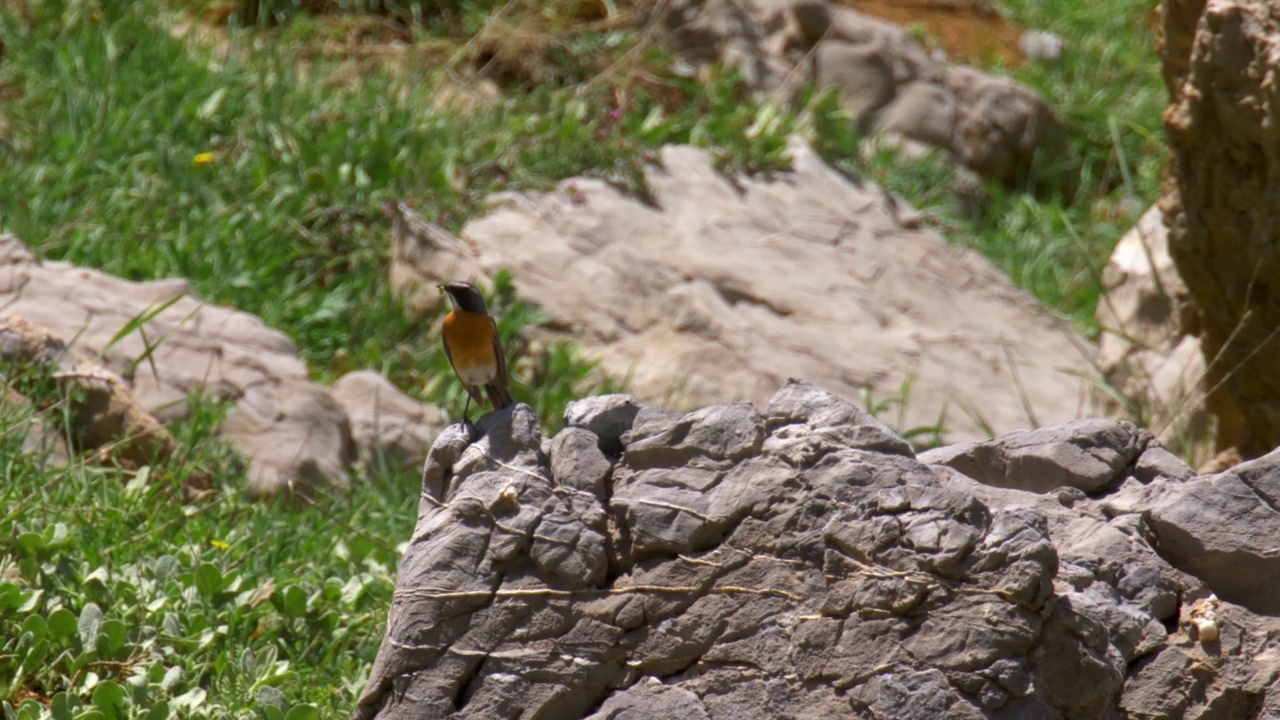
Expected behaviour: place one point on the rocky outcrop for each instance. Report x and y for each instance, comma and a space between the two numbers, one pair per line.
1221, 201
989, 125
160, 343
798, 560
723, 287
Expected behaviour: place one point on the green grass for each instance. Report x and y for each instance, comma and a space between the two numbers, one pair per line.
118, 592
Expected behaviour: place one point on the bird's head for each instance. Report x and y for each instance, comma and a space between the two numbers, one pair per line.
464, 296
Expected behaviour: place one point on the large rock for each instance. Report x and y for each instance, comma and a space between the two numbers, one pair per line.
723, 288
799, 561
1222, 202
992, 126
295, 435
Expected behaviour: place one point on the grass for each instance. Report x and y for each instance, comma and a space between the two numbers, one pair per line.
246, 164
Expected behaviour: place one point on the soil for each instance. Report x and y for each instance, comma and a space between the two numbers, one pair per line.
966, 30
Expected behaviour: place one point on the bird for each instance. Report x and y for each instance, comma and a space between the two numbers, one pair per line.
472, 345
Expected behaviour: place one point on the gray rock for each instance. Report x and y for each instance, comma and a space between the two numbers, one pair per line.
297, 439
650, 699
882, 75
577, 462
721, 432
609, 417
1089, 455
683, 295
390, 428
798, 562
1223, 529
1157, 462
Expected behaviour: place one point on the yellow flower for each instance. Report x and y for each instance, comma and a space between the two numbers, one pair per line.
220, 544
202, 159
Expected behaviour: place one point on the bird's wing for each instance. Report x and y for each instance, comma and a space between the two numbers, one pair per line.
500, 377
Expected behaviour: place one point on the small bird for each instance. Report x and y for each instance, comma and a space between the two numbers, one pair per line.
471, 343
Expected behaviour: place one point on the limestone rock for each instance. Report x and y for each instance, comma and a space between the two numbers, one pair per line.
1089, 455
1223, 123
297, 438
1222, 529
799, 561
608, 417
390, 429
1148, 348
685, 297
990, 125
294, 434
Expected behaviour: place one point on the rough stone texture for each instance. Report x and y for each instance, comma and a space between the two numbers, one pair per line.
1223, 529
1089, 455
608, 417
1221, 199
990, 125
799, 562
1148, 347
293, 432
297, 439
728, 286
390, 429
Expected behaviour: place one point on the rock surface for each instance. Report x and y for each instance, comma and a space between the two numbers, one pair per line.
1149, 346
390, 429
990, 125
799, 561
727, 286
294, 433
1222, 202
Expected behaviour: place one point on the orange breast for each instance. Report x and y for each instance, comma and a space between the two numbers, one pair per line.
469, 337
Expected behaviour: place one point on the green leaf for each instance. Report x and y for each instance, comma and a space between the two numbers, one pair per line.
31, 602
295, 601
37, 626
302, 712
62, 624
10, 596
208, 579
210, 106
61, 707
113, 633
31, 543
108, 697
159, 711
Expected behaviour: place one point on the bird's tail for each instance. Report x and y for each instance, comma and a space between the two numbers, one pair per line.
498, 396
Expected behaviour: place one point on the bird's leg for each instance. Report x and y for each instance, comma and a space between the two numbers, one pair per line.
465, 407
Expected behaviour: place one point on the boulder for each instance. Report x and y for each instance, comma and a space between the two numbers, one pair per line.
799, 561
721, 288
989, 125
296, 436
